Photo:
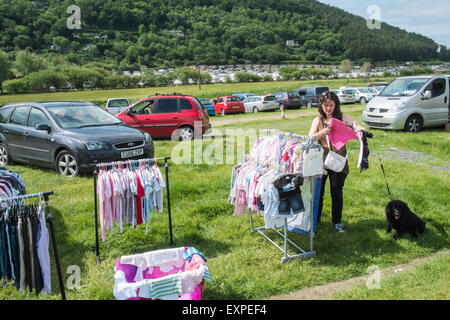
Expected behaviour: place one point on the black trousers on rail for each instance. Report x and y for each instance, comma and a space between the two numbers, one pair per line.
337, 180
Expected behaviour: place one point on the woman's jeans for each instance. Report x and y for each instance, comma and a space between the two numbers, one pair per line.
337, 180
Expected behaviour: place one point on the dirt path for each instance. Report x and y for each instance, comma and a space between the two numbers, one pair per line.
325, 292
275, 115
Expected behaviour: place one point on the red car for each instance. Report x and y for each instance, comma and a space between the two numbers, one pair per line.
228, 105
174, 115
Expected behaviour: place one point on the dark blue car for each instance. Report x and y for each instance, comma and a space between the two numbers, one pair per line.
208, 106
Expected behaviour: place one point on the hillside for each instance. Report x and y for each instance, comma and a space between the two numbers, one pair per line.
125, 34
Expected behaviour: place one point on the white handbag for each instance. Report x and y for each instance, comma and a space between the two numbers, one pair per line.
334, 161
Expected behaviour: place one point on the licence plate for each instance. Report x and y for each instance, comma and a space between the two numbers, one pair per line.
375, 119
132, 153
236, 107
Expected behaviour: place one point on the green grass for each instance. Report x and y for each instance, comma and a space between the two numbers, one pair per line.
428, 281
243, 264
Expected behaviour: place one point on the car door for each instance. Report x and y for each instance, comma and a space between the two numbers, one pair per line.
14, 131
167, 115
435, 110
140, 116
37, 144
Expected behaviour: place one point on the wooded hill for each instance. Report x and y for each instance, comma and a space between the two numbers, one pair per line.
125, 34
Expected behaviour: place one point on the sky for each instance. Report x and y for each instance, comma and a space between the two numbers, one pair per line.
430, 18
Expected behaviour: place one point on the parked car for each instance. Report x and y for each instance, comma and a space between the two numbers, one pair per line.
345, 96
362, 94
311, 95
117, 105
209, 106
178, 116
260, 103
410, 103
288, 99
374, 90
228, 105
242, 96
69, 136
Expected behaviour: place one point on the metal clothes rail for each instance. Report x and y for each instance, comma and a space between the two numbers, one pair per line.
302, 253
49, 220
131, 163
313, 185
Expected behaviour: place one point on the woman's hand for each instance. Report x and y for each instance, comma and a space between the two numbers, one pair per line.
323, 133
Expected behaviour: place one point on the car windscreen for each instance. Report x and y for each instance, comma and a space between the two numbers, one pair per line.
270, 98
321, 90
404, 87
73, 117
118, 103
363, 90
205, 101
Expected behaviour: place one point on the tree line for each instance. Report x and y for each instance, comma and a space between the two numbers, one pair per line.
123, 35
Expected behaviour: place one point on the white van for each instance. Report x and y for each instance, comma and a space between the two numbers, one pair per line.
410, 104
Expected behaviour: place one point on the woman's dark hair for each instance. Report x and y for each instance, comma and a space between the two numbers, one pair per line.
330, 95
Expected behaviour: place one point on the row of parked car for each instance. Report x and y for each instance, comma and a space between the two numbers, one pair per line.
74, 136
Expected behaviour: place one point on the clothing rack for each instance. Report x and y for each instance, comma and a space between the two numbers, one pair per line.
49, 220
131, 163
314, 183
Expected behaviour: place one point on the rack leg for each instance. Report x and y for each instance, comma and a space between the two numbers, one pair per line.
168, 201
55, 250
97, 250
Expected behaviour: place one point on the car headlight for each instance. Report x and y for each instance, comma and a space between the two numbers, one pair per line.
399, 107
93, 145
147, 137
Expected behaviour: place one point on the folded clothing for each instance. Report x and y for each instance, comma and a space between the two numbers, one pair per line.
288, 185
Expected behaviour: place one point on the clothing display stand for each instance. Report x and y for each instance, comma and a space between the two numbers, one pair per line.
302, 253
49, 220
313, 185
136, 163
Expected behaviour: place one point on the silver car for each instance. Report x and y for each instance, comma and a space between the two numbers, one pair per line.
260, 103
117, 105
345, 96
410, 103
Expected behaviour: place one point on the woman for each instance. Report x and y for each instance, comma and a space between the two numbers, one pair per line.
329, 107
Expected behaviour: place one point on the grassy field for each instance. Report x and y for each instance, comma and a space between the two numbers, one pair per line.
428, 281
209, 91
243, 264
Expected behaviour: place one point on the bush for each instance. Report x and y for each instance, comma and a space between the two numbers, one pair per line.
44, 79
16, 86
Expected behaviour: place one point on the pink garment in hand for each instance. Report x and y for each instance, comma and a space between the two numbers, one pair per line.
340, 133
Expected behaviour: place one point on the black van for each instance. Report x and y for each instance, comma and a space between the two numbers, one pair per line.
311, 95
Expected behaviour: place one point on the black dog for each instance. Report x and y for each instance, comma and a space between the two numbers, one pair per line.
400, 218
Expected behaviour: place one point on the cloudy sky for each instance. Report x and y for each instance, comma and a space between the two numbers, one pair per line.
430, 18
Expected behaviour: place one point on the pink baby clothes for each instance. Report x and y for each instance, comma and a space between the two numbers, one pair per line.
340, 133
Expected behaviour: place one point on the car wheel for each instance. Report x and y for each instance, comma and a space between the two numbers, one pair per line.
186, 133
309, 104
413, 124
4, 157
66, 164
222, 112
362, 100
255, 110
